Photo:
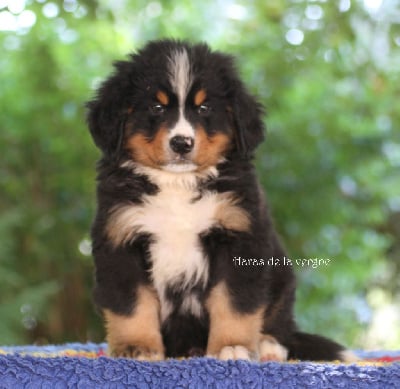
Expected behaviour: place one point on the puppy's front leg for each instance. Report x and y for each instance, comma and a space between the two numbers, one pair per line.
136, 335
232, 335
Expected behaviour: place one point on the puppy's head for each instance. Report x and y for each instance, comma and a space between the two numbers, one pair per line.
175, 107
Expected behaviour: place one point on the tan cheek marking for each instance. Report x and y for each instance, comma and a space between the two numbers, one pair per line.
162, 97
231, 216
148, 152
209, 149
228, 327
141, 329
200, 96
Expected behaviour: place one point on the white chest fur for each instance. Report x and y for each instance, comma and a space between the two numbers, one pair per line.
175, 217
176, 220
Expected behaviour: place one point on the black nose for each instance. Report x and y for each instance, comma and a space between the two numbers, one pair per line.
181, 144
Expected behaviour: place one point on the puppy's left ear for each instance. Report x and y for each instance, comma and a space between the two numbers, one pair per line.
247, 115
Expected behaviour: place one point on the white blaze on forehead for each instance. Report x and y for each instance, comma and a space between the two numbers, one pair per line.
180, 74
181, 80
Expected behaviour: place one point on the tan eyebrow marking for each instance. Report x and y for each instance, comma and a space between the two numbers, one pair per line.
200, 96
162, 97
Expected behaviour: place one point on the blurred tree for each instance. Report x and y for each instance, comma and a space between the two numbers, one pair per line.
328, 73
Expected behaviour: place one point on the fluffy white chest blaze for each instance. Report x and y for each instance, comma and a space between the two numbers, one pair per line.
175, 217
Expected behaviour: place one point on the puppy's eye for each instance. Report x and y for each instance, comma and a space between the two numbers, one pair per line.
157, 109
203, 109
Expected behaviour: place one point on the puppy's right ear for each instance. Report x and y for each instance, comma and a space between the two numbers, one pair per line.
107, 113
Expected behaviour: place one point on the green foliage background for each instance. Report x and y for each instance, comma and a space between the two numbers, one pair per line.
328, 72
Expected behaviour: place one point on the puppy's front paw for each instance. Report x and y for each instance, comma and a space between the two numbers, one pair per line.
234, 352
137, 352
271, 350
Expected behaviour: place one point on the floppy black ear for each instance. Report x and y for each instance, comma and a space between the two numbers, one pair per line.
107, 114
248, 124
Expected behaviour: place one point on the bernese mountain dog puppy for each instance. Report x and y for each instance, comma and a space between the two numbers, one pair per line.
178, 204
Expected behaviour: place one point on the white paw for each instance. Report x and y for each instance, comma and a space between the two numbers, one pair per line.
271, 350
234, 352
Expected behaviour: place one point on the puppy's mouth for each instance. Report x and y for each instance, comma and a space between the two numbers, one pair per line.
180, 163
180, 154
179, 159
